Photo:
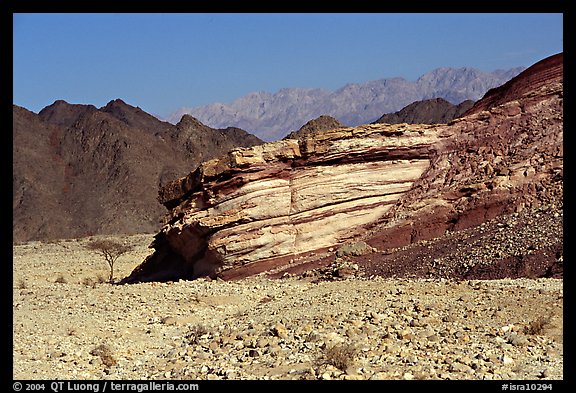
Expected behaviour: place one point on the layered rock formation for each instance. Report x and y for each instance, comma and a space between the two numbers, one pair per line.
283, 204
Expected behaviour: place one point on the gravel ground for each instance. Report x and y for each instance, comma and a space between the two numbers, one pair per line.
68, 324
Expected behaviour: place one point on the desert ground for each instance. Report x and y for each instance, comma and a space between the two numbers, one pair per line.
70, 323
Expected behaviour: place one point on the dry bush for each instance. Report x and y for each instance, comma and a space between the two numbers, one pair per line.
60, 279
537, 326
194, 334
92, 282
105, 354
340, 356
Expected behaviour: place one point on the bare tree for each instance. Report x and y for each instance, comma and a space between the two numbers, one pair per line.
111, 251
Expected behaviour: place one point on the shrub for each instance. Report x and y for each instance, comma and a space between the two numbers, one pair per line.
537, 326
340, 356
60, 279
105, 354
194, 334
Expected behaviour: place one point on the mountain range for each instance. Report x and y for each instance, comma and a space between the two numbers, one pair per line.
79, 170
271, 116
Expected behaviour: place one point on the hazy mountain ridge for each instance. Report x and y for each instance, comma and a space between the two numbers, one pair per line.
271, 116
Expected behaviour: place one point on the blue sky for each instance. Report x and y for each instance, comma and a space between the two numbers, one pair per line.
161, 62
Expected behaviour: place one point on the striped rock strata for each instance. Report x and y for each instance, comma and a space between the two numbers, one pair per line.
285, 203
257, 205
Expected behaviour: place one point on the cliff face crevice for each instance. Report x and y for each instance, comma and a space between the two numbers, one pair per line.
284, 204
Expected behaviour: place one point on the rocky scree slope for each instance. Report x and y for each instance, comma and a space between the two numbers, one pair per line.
287, 203
79, 170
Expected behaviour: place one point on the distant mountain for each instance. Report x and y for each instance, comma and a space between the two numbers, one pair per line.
272, 116
79, 170
434, 111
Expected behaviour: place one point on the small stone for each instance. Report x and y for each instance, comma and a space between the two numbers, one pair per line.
405, 334
516, 339
507, 360
408, 376
433, 338
280, 331
262, 342
170, 321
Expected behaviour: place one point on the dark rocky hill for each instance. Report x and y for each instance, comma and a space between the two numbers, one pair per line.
433, 111
79, 170
322, 123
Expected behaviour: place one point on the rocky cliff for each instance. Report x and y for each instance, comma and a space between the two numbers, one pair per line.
289, 203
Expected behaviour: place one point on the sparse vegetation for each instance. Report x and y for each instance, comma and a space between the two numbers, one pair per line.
60, 279
195, 333
537, 326
340, 356
111, 251
105, 354
92, 282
